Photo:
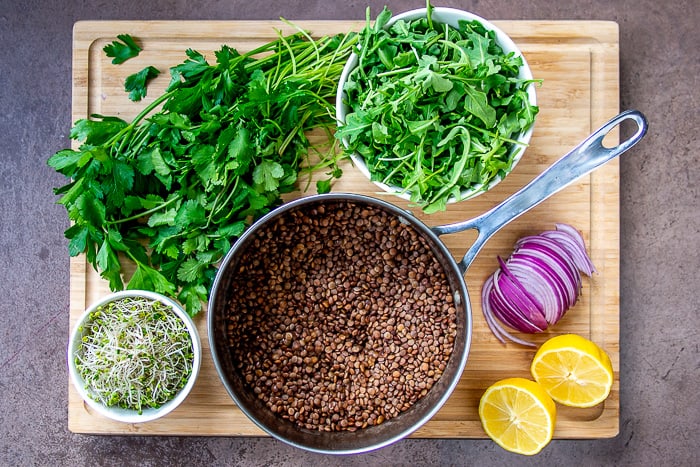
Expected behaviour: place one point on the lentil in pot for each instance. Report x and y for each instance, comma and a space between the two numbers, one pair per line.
340, 316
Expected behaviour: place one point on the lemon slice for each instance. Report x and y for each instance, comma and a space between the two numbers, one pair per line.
518, 415
573, 370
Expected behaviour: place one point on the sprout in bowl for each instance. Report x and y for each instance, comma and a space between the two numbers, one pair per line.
436, 106
134, 356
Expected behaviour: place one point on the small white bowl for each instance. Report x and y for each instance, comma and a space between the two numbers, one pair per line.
450, 16
118, 413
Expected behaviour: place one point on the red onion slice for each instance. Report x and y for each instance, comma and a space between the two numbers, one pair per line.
514, 309
543, 284
537, 284
497, 330
566, 234
559, 274
520, 297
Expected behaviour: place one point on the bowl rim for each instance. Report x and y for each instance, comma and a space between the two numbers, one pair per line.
129, 415
450, 16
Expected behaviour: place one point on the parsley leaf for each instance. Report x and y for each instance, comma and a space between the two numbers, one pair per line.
135, 84
190, 270
148, 278
122, 51
267, 175
97, 130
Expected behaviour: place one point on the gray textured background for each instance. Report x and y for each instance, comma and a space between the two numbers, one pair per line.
660, 412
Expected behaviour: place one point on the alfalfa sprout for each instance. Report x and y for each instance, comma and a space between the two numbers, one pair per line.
135, 353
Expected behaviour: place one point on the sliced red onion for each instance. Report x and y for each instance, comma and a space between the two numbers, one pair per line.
537, 285
556, 267
500, 333
516, 309
543, 283
522, 300
577, 250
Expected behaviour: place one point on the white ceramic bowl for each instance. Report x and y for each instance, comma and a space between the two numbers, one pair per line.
117, 413
452, 17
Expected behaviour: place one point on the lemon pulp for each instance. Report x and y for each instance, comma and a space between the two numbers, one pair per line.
518, 415
573, 370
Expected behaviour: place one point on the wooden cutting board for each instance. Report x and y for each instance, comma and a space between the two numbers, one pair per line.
578, 63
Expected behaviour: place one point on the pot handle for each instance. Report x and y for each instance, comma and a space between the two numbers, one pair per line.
583, 159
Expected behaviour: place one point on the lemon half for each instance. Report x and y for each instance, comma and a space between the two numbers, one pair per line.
518, 415
573, 370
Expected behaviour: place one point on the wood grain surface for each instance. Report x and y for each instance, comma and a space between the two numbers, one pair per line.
578, 63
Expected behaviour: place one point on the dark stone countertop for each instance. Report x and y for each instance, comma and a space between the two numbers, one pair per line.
660, 234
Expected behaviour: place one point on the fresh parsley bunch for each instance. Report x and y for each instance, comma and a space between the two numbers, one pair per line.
156, 202
434, 109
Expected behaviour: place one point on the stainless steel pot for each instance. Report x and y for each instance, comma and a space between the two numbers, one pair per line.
583, 159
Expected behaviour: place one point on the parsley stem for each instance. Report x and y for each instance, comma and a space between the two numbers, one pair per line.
146, 213
217, 207
124, 134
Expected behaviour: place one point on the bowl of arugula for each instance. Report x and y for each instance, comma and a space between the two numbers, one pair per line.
134, 356
436, 106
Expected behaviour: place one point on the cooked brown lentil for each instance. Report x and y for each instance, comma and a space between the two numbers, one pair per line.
340, 317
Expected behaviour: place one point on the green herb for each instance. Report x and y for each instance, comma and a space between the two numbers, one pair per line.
434, 109
135, 84
169, 191
122, 51
135, 353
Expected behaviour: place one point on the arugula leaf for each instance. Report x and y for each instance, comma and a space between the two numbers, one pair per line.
135, 84
434, 111
477, 104
478, 48
122, 51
